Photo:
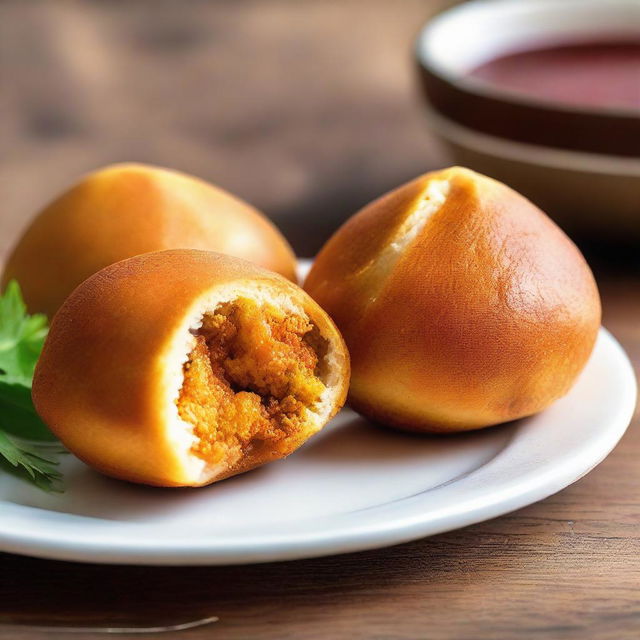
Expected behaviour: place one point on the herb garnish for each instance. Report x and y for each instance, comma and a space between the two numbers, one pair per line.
27, 447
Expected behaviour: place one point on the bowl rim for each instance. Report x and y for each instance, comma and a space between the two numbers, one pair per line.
481, 88
551, 157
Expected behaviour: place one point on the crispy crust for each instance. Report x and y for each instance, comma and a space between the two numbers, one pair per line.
487, 316
128, 209
103, 381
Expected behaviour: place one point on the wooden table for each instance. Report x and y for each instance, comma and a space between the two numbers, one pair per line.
308, 109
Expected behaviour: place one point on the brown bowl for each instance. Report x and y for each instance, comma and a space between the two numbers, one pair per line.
580, 163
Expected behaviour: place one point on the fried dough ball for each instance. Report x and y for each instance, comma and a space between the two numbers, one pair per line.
127, 209
184, 367
462, 304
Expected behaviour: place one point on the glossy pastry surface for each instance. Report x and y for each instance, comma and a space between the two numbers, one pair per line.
184, 367
128, 209
462, 304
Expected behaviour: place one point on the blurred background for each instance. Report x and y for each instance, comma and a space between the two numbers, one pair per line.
308, 110
305, 109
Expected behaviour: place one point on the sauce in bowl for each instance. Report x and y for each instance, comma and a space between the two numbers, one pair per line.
589, 74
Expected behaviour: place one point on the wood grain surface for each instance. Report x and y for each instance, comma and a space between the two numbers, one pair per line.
307, 109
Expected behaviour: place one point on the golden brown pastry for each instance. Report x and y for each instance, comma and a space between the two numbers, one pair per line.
462, 304
127, 209
185, 367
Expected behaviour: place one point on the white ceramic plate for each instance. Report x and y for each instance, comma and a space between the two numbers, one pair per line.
351, 487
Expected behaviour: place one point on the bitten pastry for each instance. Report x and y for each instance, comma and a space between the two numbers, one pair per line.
462, 304
127, 209
183, 367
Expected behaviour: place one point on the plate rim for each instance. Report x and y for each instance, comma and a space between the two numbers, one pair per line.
529, 488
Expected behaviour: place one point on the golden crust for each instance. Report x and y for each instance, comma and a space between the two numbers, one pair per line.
488, 315
101, 382
127, 209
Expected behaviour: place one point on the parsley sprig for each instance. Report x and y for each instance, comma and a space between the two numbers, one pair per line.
27, 447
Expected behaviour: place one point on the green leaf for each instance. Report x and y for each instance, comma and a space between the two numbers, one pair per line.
18, 415
31, 461
21, 339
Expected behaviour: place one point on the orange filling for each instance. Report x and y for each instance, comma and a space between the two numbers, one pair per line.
249, 379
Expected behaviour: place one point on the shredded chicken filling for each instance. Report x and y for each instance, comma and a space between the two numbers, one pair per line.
250, 378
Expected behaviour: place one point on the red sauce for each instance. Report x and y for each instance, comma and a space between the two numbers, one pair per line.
593, 74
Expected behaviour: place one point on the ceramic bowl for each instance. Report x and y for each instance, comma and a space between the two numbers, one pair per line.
580, 164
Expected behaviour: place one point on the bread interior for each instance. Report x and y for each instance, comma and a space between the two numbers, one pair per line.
373, 276
256, 378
